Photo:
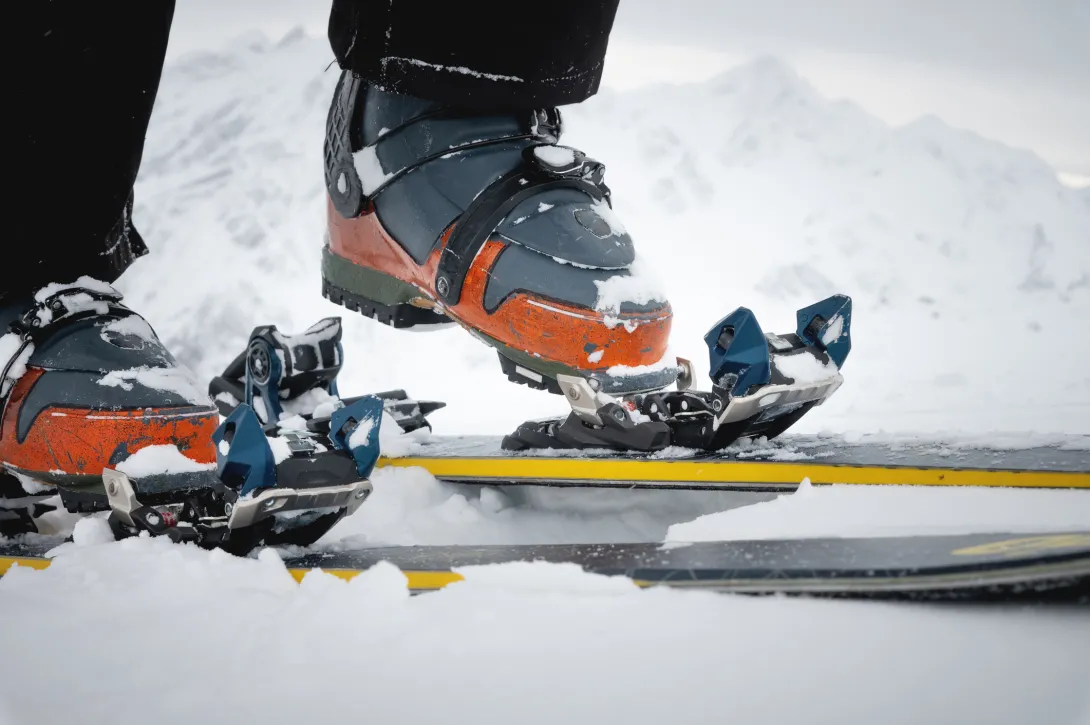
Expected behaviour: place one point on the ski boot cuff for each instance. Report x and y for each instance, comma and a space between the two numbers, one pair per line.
49, 307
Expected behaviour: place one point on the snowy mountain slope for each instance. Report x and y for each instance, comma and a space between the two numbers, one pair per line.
968, 262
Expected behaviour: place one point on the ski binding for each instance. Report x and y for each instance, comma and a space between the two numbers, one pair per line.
761, 385
292, 457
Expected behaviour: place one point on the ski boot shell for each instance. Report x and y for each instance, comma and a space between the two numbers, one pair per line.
87, 385
438, 216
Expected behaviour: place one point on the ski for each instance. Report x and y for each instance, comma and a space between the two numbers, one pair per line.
1046, 567
778, 466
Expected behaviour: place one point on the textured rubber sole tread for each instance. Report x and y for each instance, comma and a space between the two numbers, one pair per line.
396, 316
510, 369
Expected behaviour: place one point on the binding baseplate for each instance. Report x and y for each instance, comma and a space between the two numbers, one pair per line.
275, 491
761, 385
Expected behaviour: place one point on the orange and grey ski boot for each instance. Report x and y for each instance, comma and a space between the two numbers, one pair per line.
87, 385
438, 215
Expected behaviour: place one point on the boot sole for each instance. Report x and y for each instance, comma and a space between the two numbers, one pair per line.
388, 299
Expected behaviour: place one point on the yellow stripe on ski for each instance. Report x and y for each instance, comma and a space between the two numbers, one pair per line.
724, 474
6, 562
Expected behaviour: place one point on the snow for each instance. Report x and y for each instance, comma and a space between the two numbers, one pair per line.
410, 507
227, 398
360, 434
92, 530
83, 282
834, 331
164, 458
30, 485
593, 651
449, 68
281, 450
129, 325
596, 356
369, 169
804, 368
309, 402
610, 217
555, 579
639, 285
260, 410
620, 371
558, 156
75, 303
847, 511
171, 380
395, 443
289, 422
13, 360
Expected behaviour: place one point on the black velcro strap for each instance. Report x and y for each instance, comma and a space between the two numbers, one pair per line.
484, 215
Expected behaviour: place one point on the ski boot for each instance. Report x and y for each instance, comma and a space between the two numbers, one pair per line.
762, 384
290, 382
437, 215
97, 411
87, 385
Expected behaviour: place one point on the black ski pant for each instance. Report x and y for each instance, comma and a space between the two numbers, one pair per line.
83, 98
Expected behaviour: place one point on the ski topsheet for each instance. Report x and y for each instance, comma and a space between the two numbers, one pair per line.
778, 466
976, 567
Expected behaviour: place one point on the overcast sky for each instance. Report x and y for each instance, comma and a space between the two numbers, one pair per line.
1014, 70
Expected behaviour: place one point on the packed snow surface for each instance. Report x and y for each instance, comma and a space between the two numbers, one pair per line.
965, 260
237, 640
847, 511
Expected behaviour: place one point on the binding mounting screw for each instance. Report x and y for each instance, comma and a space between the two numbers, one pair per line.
112, 489
573, 393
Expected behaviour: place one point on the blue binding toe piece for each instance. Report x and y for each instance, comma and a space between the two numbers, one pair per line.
354, 428
737, 347
827, 325
247, 465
